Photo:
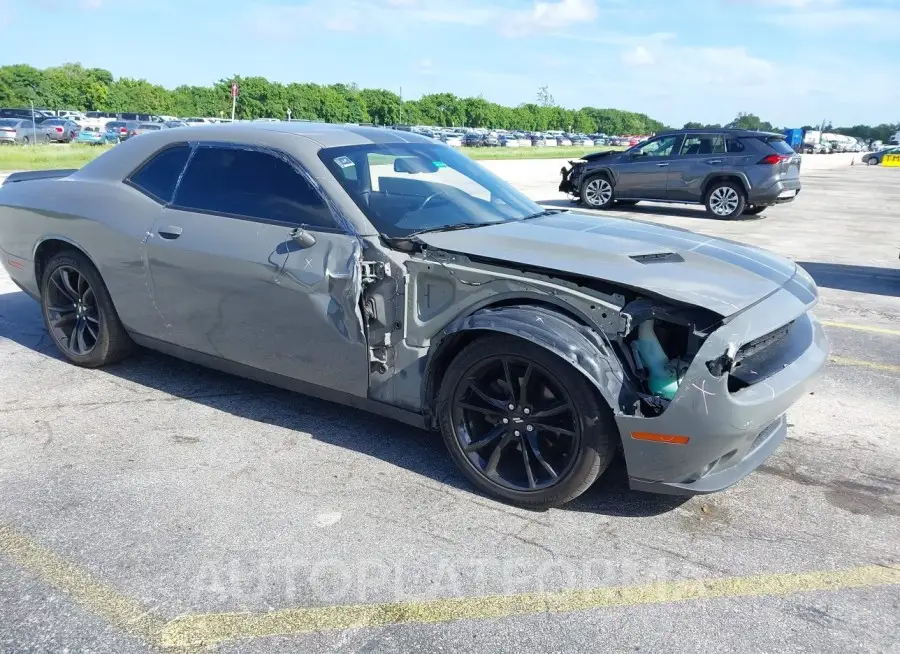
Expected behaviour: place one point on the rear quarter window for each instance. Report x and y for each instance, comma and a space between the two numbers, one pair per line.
778, 144
159, 175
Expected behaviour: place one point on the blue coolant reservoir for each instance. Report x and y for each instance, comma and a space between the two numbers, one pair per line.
663, 379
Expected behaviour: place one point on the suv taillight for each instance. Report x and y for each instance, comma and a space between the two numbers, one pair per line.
772, 159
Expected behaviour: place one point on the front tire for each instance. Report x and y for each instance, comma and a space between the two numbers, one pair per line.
79, 314
597, 192
872, 161
725, 200
522, 424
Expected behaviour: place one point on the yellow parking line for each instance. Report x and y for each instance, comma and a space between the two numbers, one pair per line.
861, 328
220, 627
859, 363
100, 599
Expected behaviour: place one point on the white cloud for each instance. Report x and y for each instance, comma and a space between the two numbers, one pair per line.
425, 67
793, 4
544, 16
639, 56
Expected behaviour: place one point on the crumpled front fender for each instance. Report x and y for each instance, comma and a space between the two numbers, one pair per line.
585, 349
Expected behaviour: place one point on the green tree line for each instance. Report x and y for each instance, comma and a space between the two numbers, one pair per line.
744, 120
72, 86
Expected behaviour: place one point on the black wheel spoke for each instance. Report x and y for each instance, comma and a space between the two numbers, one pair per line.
488, 411
491, 468
552, 411
54, 279
71, 291
535, 446
523, 386
94, 332
527, 462
493, 435
508, 376
93, 319
497, 404
553, 428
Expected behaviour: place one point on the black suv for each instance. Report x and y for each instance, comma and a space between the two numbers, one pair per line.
731, 171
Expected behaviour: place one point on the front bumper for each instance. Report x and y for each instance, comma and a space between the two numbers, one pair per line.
731, 427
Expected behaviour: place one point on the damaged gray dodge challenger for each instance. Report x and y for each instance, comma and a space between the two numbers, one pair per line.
388, 272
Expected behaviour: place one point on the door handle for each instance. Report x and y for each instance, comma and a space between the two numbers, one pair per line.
713, 161
169, 233
662, 165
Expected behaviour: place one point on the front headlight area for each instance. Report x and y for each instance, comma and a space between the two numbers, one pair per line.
658, 341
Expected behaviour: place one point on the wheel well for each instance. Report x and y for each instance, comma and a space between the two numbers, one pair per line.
723, 178
46, 251
450, 346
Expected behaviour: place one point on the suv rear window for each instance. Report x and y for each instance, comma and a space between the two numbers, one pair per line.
776, 143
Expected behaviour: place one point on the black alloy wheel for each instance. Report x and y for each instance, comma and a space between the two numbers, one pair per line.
516, 424
522, 424
74, 317
78, 312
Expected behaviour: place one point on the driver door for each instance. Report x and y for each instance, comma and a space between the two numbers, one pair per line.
643, 173
248, 265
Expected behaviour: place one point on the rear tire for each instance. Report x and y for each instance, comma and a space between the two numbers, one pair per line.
753, 210
596, 192
544, 460
79, 314
725, 200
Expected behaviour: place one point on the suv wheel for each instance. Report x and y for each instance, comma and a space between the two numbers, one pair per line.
725, 200
873, 161
597, 192
522, 424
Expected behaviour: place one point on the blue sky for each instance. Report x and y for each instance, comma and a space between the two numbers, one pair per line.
792, 62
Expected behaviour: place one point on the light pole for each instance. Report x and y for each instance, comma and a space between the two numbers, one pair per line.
33, 124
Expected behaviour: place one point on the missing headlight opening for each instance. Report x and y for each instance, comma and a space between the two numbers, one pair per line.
660, 342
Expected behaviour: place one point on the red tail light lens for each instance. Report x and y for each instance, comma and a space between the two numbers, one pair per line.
59, 129
773, 159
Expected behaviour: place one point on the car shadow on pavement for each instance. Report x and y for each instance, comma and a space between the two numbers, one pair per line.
860, 279
416, 450
695, 212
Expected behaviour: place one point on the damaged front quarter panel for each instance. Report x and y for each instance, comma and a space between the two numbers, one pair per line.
449, 294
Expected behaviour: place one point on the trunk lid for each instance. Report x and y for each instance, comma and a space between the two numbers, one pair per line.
723, 276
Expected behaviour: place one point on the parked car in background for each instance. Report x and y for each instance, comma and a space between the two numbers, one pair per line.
121, 129
61, 130
143, 128
473, 140
732, 172
23, 114
531, 339
453, 140
198, 121
581, 141
95, 136
509, 141
22, 132
171, 124
490, 141
564, 141
875, 158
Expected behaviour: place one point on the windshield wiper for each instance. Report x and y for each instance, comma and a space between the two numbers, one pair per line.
545, 212
452, 227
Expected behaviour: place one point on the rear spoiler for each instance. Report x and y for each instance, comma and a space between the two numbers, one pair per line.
30, 175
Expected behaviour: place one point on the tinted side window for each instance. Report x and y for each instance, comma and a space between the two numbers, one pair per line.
157, 177
253, 184
703, 144
734, 145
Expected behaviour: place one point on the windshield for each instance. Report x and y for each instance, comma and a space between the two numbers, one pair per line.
405, 188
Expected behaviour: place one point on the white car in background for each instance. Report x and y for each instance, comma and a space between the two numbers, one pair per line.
194, 121
453, 140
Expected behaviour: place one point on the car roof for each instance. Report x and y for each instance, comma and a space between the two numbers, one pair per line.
719, 130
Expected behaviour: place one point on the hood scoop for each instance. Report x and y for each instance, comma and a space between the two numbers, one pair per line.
658, 257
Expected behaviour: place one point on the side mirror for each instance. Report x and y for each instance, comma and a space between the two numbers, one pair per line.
303, 238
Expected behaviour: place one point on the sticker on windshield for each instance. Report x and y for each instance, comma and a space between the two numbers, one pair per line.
344, 162
439, 164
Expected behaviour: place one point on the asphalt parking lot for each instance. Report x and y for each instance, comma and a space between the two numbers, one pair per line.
156, 505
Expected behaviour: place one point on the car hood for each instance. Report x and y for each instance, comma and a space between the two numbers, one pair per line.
720, 275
